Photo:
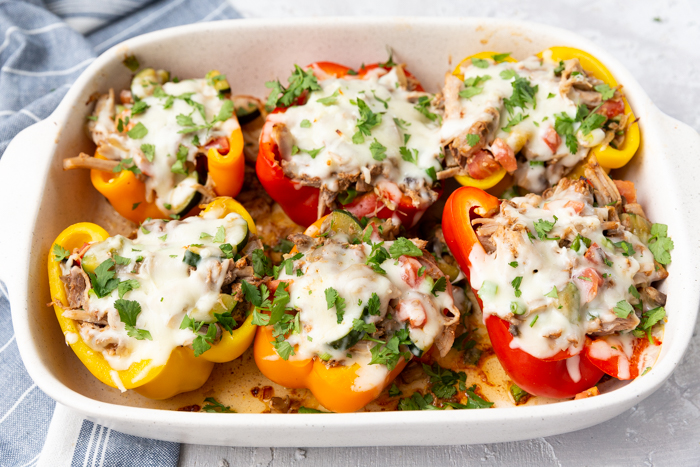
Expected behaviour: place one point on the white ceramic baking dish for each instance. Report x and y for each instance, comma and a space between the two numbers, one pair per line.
39, 200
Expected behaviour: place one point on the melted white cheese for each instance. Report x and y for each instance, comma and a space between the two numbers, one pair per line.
332, 128
529, 135
343, 268
170, 190
167, 288
543, 264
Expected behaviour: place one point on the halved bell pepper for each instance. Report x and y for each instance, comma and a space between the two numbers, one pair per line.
127, 194
332, 387
183, 371
300, 202
609, 158
548, 378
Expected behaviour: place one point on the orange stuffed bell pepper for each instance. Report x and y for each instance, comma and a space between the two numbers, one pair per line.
337, 137
536, 119
164, 145
155, 313
349, 311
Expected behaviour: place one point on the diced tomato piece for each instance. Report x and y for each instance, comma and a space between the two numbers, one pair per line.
221, 144
594, 254
551, 139
482, 165
577, 206
412, 311
588, 282
409, 271
612, 108
627, 190
504, 155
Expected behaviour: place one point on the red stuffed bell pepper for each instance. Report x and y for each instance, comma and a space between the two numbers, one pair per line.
562, 305
366, 141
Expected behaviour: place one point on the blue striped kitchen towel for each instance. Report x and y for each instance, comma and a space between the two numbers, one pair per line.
42, 53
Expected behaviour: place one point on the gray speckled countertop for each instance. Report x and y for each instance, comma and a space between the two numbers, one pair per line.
659, 42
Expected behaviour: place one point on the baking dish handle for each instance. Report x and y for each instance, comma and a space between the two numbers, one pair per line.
23, 171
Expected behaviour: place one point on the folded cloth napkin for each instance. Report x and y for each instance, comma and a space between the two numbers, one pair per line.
41, 55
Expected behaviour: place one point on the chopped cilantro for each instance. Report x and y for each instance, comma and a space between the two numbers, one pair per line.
138, 131
59, 253
214, 406
404, 247
660, 244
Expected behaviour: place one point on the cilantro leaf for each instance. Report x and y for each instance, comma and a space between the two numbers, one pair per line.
543, 227
473, 140
480, 63
149, 151
378, 150
404, 247
623, 309
367, 121
129, 311
409, 155
103, 280
262, 266
329, 100
592, 122
423, 106
440, 285
660, 244
126, 286
627, 248
59, 253
498, 58
606, 91
220, 235
300, 81
214, 406
138, 131
374, 305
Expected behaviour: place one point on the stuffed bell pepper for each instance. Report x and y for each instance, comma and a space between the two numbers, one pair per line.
536, 119
351, 306
367, 141
154, 312
564, 280
166, 146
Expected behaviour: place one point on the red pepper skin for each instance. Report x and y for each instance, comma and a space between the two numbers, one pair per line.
300, 202
546, 378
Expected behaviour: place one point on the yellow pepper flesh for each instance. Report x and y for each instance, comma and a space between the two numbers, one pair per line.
183, 371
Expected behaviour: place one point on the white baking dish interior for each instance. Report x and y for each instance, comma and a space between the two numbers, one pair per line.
39, 200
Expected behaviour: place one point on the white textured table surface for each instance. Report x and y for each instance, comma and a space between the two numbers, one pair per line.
658, 41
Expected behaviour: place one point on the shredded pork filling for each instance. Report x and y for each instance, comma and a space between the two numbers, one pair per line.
355, 136
559, 266
548, 114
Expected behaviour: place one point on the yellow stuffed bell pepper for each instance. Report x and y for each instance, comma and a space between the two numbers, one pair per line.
126, 192
608, 156
331, 357
164, 144
174, 368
